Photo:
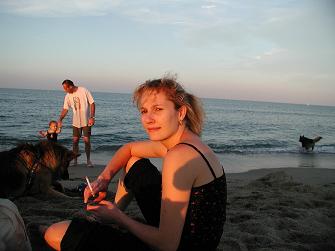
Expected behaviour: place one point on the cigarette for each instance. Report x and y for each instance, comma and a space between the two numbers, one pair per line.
89, 185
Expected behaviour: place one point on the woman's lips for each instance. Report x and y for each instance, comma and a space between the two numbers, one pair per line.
153, 129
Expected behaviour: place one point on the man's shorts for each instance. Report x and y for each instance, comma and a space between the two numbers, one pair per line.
77, 132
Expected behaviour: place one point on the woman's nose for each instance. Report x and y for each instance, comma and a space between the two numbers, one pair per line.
148, 118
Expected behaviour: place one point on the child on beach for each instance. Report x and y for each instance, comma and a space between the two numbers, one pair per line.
52, 131
184, 205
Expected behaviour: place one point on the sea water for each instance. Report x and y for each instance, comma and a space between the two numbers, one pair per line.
243, 129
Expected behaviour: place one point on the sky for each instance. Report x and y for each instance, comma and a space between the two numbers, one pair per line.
278, 50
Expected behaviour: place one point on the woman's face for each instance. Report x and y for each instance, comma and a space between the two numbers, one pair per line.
158, 115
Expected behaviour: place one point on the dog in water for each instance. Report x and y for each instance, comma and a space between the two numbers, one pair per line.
308, 143
34, 170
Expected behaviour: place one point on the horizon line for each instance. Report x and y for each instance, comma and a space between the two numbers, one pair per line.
215, 98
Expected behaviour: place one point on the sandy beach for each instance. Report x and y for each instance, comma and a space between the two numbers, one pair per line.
268, 209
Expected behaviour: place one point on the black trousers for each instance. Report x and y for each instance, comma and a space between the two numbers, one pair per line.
145, 181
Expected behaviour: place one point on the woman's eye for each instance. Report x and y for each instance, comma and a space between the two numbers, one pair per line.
158, 109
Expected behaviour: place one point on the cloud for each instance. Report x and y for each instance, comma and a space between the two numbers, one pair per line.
270, 53
58, 8
208, 6
235, 24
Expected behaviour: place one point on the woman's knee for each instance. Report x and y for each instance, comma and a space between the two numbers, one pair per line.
55, 233
131, 162
141, 174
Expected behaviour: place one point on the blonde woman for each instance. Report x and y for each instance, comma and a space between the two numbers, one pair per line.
184, 206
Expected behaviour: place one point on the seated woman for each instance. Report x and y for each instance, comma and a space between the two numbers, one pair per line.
184, 206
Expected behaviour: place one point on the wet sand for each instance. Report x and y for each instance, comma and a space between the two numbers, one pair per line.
268, 209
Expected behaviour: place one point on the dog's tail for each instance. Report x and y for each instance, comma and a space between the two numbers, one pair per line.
317, 139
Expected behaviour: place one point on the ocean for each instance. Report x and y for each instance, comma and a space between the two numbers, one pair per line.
236, 130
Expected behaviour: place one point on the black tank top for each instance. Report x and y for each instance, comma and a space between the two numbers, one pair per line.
52, 137
206, 213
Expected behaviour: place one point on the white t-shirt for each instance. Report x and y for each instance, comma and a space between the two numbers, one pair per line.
80, 102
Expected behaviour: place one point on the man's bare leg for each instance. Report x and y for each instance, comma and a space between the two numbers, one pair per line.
75, 143
88, 151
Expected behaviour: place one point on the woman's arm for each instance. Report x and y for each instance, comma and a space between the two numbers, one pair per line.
178, 176
140, 149
177, 180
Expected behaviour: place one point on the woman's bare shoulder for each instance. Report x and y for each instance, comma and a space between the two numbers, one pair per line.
181, 155
179, 167
194, 156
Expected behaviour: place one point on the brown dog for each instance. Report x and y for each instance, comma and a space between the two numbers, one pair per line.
34, 169
308, 143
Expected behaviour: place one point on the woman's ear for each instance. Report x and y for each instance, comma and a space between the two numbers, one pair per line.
182, 113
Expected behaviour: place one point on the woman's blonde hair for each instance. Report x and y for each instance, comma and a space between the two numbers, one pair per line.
175, 92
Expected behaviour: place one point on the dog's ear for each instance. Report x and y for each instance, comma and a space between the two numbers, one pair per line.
28, 156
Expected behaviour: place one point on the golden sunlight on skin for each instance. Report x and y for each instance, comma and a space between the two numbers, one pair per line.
55, 233
159, 117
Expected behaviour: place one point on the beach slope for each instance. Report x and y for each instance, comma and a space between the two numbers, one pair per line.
268, 209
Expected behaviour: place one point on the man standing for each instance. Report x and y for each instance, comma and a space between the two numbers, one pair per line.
83, 107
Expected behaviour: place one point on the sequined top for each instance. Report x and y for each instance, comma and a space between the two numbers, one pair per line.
206, 214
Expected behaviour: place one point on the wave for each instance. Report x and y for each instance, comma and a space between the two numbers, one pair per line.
256, 148
110, 143
267, 148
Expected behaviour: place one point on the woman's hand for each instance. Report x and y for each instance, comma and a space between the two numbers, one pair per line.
104, 211
99, 187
